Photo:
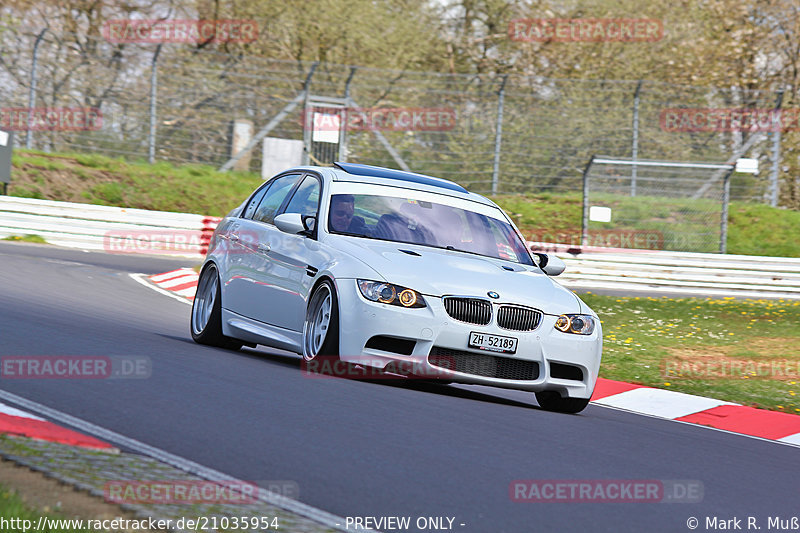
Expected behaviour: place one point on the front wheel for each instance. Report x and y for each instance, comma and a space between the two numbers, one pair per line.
553, 401
206, 319
321, 326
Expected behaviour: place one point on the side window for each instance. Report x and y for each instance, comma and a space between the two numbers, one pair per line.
306, 198
253, 203
274, 197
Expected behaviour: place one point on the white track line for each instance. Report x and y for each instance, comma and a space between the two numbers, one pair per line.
174, 282
141, 278
10, 411
695, 425
662, 403
172, 274
318, 515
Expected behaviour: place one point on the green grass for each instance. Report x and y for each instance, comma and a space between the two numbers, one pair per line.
96, 179
757, 229
26, 238
754, 229
688, 345
12, 507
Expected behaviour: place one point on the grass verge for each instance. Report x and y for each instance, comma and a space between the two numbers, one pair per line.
740, 350
26, 238
755, 229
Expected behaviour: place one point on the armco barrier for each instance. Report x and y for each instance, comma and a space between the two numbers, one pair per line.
89, 226
111, 229
677, 272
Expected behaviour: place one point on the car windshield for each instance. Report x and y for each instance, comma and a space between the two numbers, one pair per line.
414, 221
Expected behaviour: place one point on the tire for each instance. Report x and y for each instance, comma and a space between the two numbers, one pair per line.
553, 401
321, 325
206, 319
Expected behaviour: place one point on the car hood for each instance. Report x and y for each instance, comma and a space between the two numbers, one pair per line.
437, 272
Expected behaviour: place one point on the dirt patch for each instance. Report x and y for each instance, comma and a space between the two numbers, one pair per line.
48, 495
763, 357
756, 347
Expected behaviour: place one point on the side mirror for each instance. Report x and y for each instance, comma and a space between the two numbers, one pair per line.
310, 222
550, 264
290, 223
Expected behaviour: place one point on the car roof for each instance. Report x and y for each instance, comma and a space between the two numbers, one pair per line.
354, 172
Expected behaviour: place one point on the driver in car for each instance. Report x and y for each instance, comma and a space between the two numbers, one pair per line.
342, 217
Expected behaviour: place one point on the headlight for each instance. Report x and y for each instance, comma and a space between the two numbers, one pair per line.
578, 324
386, 293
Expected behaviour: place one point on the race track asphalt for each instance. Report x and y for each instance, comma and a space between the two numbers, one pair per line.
360, 448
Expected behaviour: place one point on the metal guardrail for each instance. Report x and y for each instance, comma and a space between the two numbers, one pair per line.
110, 229
655, 271
122, 230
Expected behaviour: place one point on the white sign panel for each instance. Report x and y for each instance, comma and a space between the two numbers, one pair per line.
326, 128
599, 214
3, 138
748, 166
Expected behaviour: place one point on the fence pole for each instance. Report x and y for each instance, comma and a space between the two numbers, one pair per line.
498, 135
776, 151
585, 217
343, 117
635, 147
151, 151
308, 128
272, 123
32, 93
726, 197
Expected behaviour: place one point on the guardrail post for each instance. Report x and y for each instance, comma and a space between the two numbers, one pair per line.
307, 128
32, 93
151, 142
343, 117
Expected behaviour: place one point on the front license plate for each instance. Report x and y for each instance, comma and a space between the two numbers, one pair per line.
492, 343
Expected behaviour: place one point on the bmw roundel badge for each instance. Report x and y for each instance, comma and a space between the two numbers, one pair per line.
493, 294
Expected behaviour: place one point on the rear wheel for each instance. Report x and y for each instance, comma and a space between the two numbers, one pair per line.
553, 401
321, 326
207, 312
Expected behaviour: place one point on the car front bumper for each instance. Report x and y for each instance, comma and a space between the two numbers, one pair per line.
556, 355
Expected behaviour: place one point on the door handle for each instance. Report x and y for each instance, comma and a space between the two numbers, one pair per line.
264, 247
234, 237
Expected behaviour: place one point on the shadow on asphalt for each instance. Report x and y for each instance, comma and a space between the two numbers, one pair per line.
289, 359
